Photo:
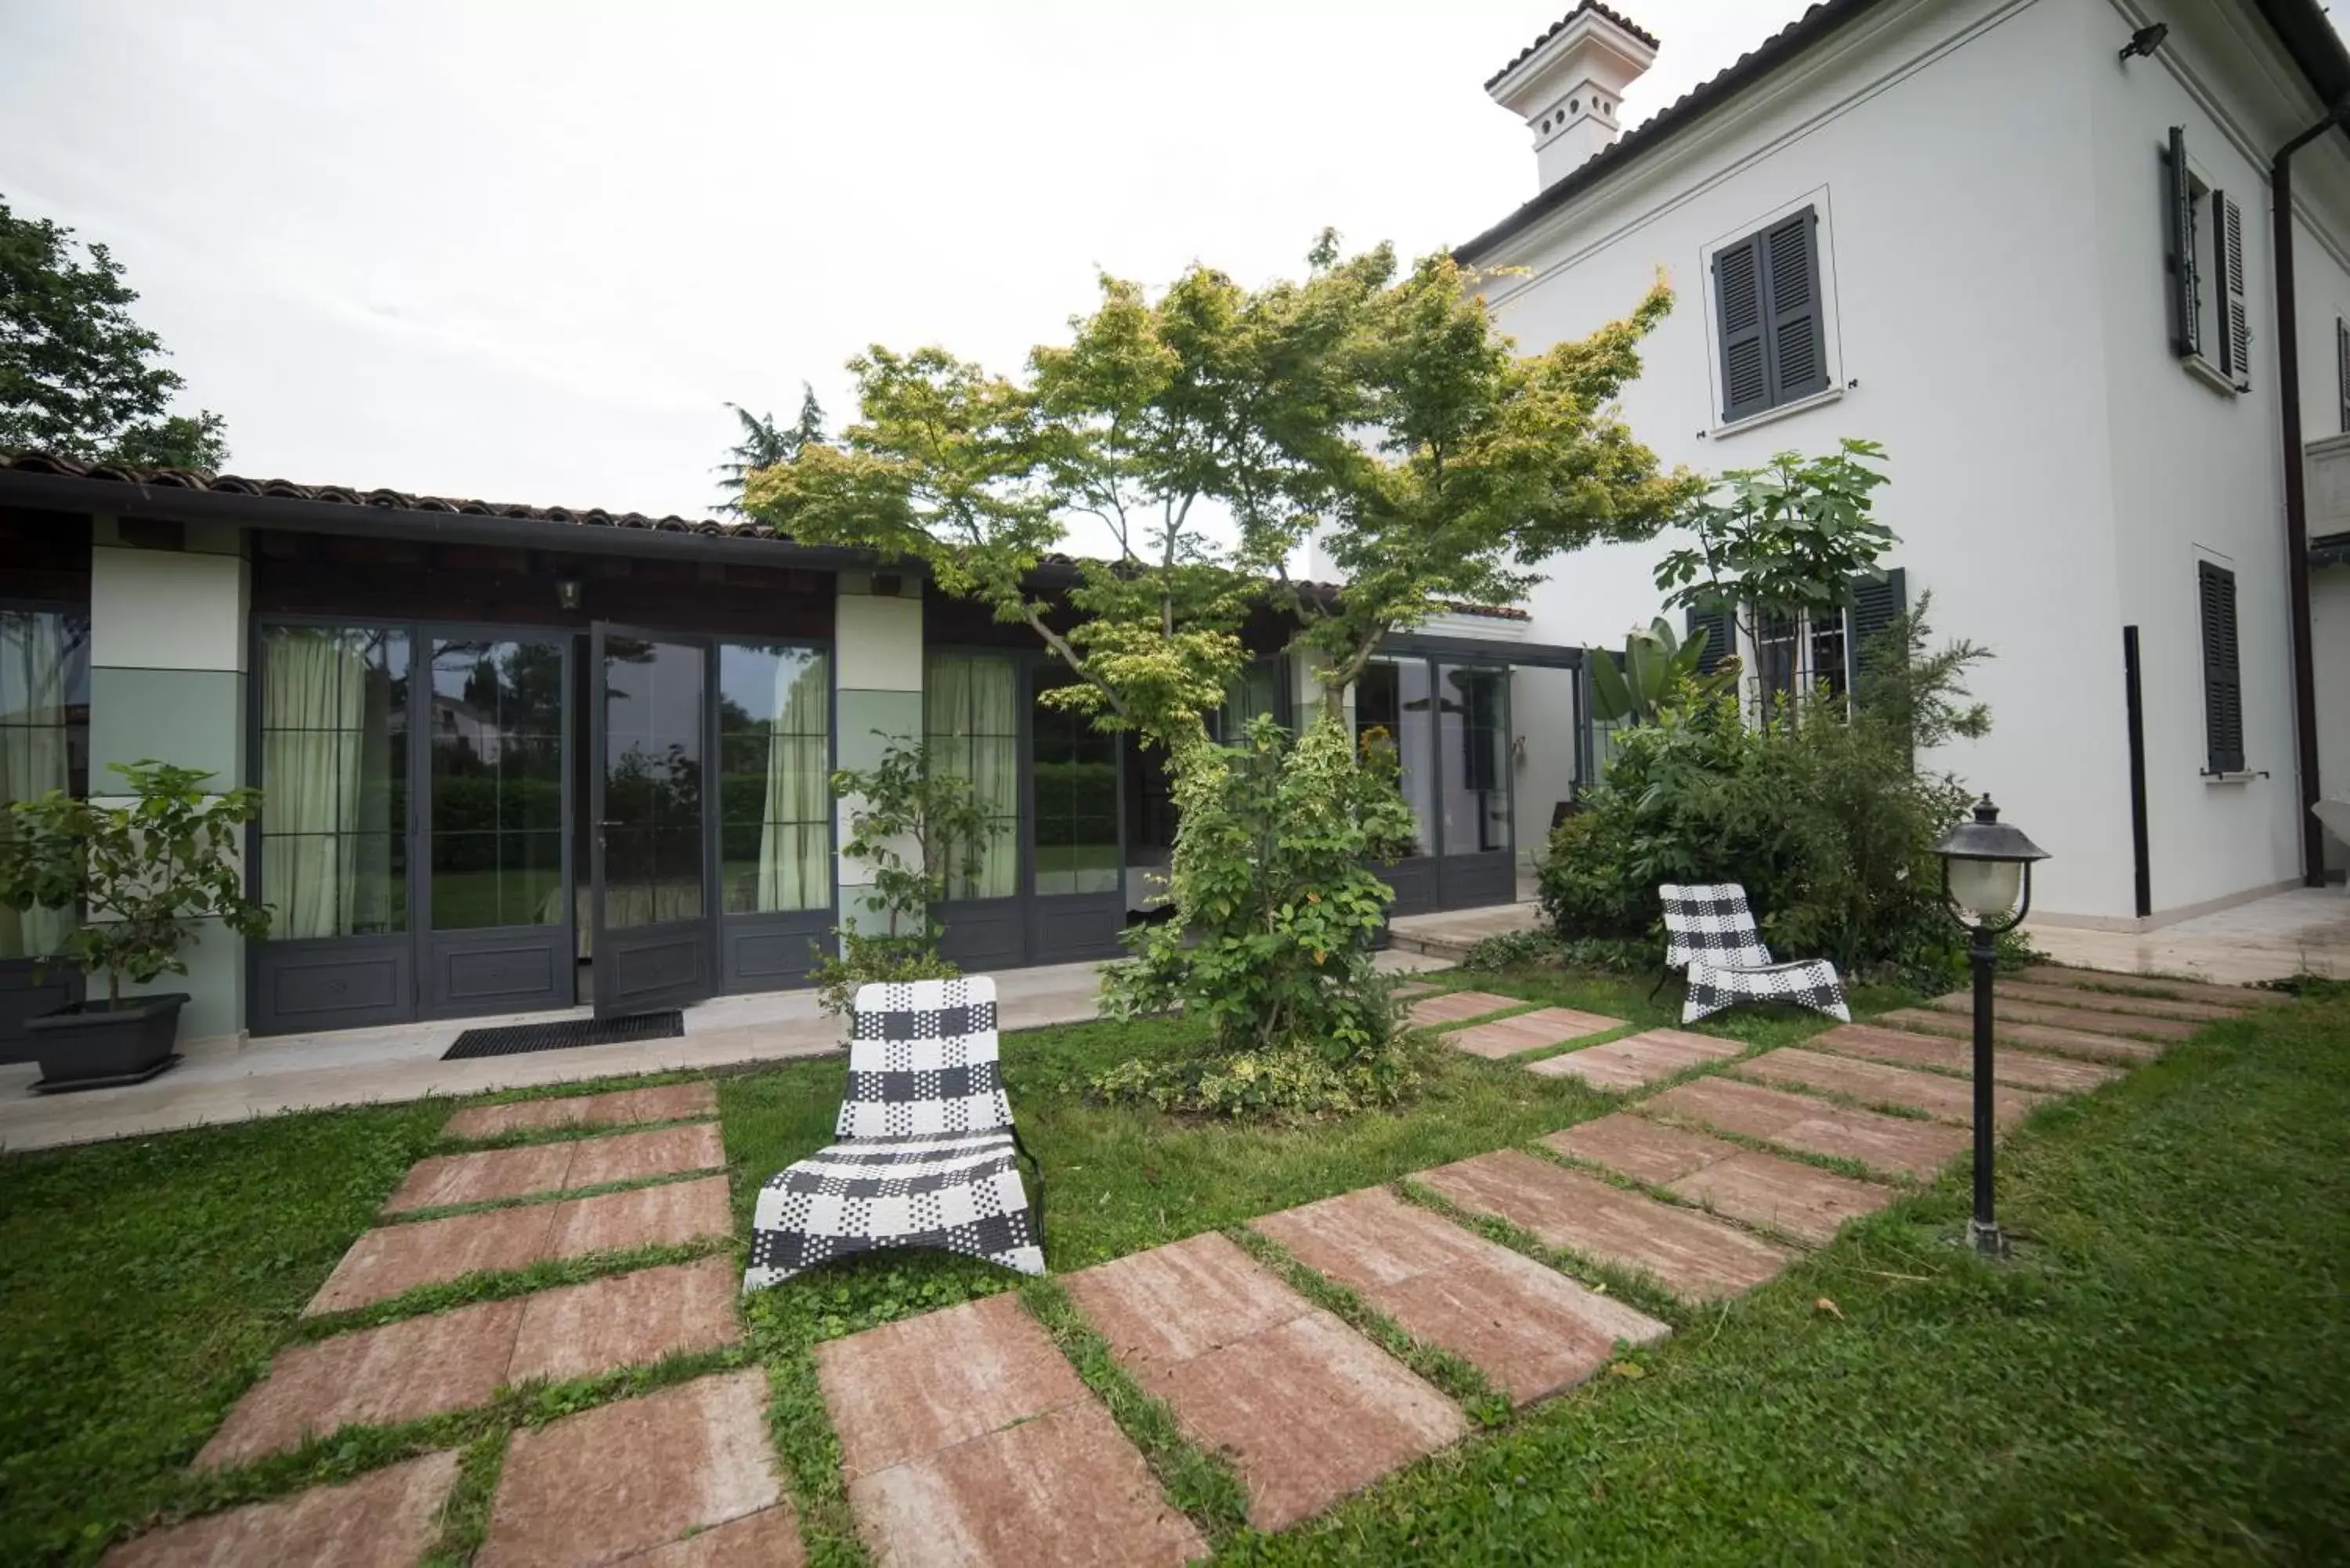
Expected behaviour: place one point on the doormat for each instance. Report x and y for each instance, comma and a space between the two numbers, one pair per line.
516, 1038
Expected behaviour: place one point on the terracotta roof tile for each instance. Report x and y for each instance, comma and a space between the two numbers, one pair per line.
1553, 30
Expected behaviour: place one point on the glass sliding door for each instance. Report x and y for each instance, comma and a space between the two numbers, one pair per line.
44, 746
1392, 709
971, 728
654, 937
499, 917
775, 812
1473, 767
1080, 897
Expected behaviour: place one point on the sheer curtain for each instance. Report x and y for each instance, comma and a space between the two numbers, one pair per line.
313, 704
795, 869
973, 726
35, 756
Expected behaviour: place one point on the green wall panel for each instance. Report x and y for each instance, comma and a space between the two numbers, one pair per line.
194, 718
867, 717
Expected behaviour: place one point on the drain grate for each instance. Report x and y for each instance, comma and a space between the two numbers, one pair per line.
563, 1035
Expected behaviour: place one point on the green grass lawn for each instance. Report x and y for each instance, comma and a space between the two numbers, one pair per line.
2158, 1376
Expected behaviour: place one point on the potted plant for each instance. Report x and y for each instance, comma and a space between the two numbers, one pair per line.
138, 875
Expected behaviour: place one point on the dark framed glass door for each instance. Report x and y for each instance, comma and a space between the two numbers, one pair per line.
1075, 857
654, 933
44, 746
1478, 864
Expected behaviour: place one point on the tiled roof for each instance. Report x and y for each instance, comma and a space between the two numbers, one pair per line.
1597, 9
391, 500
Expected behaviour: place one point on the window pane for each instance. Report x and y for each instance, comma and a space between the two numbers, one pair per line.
775, 805
44, 741
496, 760
1475, 761
652, 762
1076, 785
1392, 699
972, 730
334, 780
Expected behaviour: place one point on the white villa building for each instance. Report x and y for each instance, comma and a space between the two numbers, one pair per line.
1956, 227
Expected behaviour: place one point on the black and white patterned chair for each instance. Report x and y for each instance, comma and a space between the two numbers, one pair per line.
1710, 934
925, 1145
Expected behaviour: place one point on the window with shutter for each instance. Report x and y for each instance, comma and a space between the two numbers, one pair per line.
1770, 317
2235, 325
1721, 637
2178, 209
1875, 603
2223, 700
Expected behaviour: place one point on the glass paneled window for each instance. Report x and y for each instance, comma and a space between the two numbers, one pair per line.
972, 730
334, 749
774, 745
43, 741
653, 765
1076, 797
1474, 746
1255, 690
496, 736
1391, 708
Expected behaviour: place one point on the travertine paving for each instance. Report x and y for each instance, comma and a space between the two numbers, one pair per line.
1457, 1006
2013, 1032
1530, 1329
1962, 1003
1306, 1410
1783, 1195
668, 1102
1690, 1254
2100, 984
446, 1181
1637, 1060
966, 1437
1528, 1031
2118, 1002
1896, 1145
1948, 1053
1874, 1083
384, 1518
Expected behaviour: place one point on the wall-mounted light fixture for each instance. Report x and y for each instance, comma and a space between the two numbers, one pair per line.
566, 592
2146, 40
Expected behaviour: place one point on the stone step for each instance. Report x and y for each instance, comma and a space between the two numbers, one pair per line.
456, 1360
1962, 1003
1949, 1053
1873, 1082
1784, 1194
1532, 1031
1456, 1007
385, 1519
1691, 1255
1530, 1329
2114, 1001
966, 1437
1894, 1145
2099, 982
2011, 1032
1304, 1408
637, 1475
445, 1180
1637, 1061
390, 1259
667, 1102
1411, 989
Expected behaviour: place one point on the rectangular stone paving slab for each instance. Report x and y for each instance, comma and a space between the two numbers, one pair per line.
445, 1180
627, 1478
1530, 1329
1411, 989
1894, 1144
626, 1320
392, 1259
668, 1103
768, 1539
1529, 1032
1786, 1194
1454, 1006
1308, 1411
1638, 1060
1690, 1254
1066, 1489
2007, 1031
1962, 1003
664, 1216
907, 1389
385, 1519
634, 1156
2097, 982
1943, 1099
401, 1372
1645, 1150
2115, 1002
1179, 1300
1950, 1054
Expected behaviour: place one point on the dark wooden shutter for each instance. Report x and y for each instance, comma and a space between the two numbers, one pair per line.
2223, 699
2342, 368
2178, 205
1799, 350
1737, 311
1874, 604
1721, 636
2235, 325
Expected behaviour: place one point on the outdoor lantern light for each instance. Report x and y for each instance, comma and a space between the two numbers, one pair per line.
566, 592
1987, 881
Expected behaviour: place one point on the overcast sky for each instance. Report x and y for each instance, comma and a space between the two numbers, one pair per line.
525, 252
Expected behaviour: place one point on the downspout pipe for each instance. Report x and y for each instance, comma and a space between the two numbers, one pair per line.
2297, 497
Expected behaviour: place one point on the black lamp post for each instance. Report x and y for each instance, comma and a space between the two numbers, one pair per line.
1987, 882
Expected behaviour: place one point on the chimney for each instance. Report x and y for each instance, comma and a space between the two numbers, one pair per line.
1569, 86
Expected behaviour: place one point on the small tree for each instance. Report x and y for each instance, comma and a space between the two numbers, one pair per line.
766, 443
141, 874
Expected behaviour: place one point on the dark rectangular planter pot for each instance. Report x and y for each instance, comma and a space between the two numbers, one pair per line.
89, 1046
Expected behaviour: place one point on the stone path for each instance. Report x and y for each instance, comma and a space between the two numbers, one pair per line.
1457, 1007
1532, 1031
967, 1437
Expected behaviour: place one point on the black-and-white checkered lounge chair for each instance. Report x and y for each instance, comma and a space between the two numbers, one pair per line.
925, 1145
1710, 933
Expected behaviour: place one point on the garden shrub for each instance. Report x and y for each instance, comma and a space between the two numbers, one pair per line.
1273, 955
1822, 815
912, 827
